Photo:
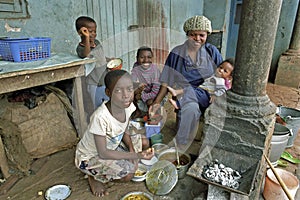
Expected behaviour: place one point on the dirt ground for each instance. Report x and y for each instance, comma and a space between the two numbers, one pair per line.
59, 168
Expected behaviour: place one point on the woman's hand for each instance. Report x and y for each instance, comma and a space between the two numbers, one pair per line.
212, 98
153, 109
109, 59
146, 154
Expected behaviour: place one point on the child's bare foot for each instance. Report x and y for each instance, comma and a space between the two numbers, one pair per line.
97, 187
173, 102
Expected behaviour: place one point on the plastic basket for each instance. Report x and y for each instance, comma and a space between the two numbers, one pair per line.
152, 129
25, 49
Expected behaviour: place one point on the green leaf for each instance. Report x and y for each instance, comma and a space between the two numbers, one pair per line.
282, 163
287, 156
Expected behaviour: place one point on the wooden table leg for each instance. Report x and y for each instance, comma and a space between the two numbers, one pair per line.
80, 118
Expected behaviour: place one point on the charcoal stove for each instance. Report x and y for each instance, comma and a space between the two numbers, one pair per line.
248, 168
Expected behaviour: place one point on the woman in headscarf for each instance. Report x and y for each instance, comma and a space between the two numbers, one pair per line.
186, 67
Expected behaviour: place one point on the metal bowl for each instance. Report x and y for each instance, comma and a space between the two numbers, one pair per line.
140, 174
143, 195
161, 178
58, 192
184, 159
115, 64
159, 147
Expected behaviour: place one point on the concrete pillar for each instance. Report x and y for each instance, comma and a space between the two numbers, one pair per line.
242, 122
288, 71
255, 47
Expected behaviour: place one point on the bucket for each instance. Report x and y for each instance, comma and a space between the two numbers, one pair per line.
292, 119
272, 188
184, 159
279, 141
156, 138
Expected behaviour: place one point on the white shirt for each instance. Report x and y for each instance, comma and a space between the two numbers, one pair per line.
214, 85
104, 124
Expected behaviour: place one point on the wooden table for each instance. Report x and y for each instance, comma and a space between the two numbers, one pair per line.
16, 80
17, 76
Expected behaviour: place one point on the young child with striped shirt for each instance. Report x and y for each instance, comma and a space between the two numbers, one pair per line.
145, 76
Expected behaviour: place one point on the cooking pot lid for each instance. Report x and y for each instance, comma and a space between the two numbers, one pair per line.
162, 177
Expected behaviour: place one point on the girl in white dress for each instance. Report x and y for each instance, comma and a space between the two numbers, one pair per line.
100, 153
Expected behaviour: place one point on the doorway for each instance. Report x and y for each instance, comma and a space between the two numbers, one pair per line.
234, 24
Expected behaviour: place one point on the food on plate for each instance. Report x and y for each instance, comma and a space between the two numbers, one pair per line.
137, 197
150, 150
115, 64
170, 155
139, 172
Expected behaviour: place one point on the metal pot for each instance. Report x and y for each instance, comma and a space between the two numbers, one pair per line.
184, 159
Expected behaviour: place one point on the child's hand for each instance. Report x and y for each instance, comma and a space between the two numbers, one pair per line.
212, 98
138, 96
109, 59
147, 154
84, 31
142, 86
136, 164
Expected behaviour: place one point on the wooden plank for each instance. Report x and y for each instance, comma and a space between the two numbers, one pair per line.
101, 9
89, 7
3, 161
9, 183
177, 35
94, 10
121, 31
133, 34
33, 79
36, 70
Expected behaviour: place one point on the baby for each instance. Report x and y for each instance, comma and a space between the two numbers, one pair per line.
215, 85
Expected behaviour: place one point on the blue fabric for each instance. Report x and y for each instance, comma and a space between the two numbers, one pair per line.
100, 96
195, 95
188, 120
180, 72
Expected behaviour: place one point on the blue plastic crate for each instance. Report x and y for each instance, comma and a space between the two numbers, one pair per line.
25, 49
152, 129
